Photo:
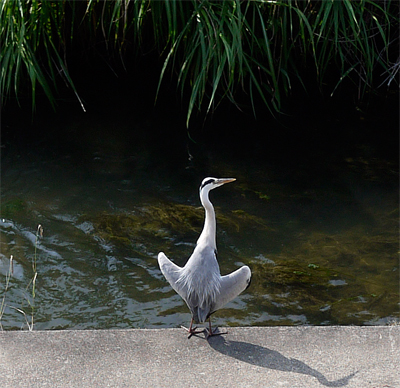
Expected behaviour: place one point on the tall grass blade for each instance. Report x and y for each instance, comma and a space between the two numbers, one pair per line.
210, 48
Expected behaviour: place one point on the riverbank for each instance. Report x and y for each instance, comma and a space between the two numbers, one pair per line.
303, 356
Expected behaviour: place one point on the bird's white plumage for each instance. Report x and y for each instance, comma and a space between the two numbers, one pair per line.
199, 282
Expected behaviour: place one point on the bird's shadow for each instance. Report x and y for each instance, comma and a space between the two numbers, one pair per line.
271, 359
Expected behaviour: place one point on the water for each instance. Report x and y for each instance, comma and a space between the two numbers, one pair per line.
321, 238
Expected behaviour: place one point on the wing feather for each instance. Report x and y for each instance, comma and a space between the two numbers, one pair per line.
232, 285
172, 273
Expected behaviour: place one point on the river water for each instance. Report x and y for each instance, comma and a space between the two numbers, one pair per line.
321, 238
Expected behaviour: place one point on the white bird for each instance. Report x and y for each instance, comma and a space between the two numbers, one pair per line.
199, 282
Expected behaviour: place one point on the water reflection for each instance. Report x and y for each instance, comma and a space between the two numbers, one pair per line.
322, 247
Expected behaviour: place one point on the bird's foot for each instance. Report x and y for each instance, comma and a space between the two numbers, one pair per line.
213, 333
192, 330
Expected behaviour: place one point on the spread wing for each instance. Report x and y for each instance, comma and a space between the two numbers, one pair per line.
232, 285
172, 273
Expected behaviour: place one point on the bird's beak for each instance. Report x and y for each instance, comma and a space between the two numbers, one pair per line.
222, 181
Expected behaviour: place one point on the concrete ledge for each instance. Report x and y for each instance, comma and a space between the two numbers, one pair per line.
344, 356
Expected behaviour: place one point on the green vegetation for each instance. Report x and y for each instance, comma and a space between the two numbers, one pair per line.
213, 49
29, 299
161, 225
11, 207
328, 289
3, 304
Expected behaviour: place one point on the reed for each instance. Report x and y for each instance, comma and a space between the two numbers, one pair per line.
210, 48
3, 304
29, 317
32, 283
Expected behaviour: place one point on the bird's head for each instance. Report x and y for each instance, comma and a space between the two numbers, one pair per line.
207, 236
211, 183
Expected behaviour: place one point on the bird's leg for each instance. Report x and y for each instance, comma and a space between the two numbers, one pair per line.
192, 330
211, 332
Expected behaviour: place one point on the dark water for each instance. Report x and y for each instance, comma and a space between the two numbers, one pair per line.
321, 236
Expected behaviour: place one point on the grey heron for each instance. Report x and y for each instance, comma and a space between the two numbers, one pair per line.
199, 282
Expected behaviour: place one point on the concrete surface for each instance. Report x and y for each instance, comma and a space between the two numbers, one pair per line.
345, 356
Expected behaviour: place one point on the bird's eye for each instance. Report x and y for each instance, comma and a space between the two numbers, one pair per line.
207, 182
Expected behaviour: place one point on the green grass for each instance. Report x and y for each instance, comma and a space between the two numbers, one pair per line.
212, 49
3, 304
31, 287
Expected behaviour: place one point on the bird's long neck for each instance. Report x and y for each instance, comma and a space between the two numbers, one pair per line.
208, 234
